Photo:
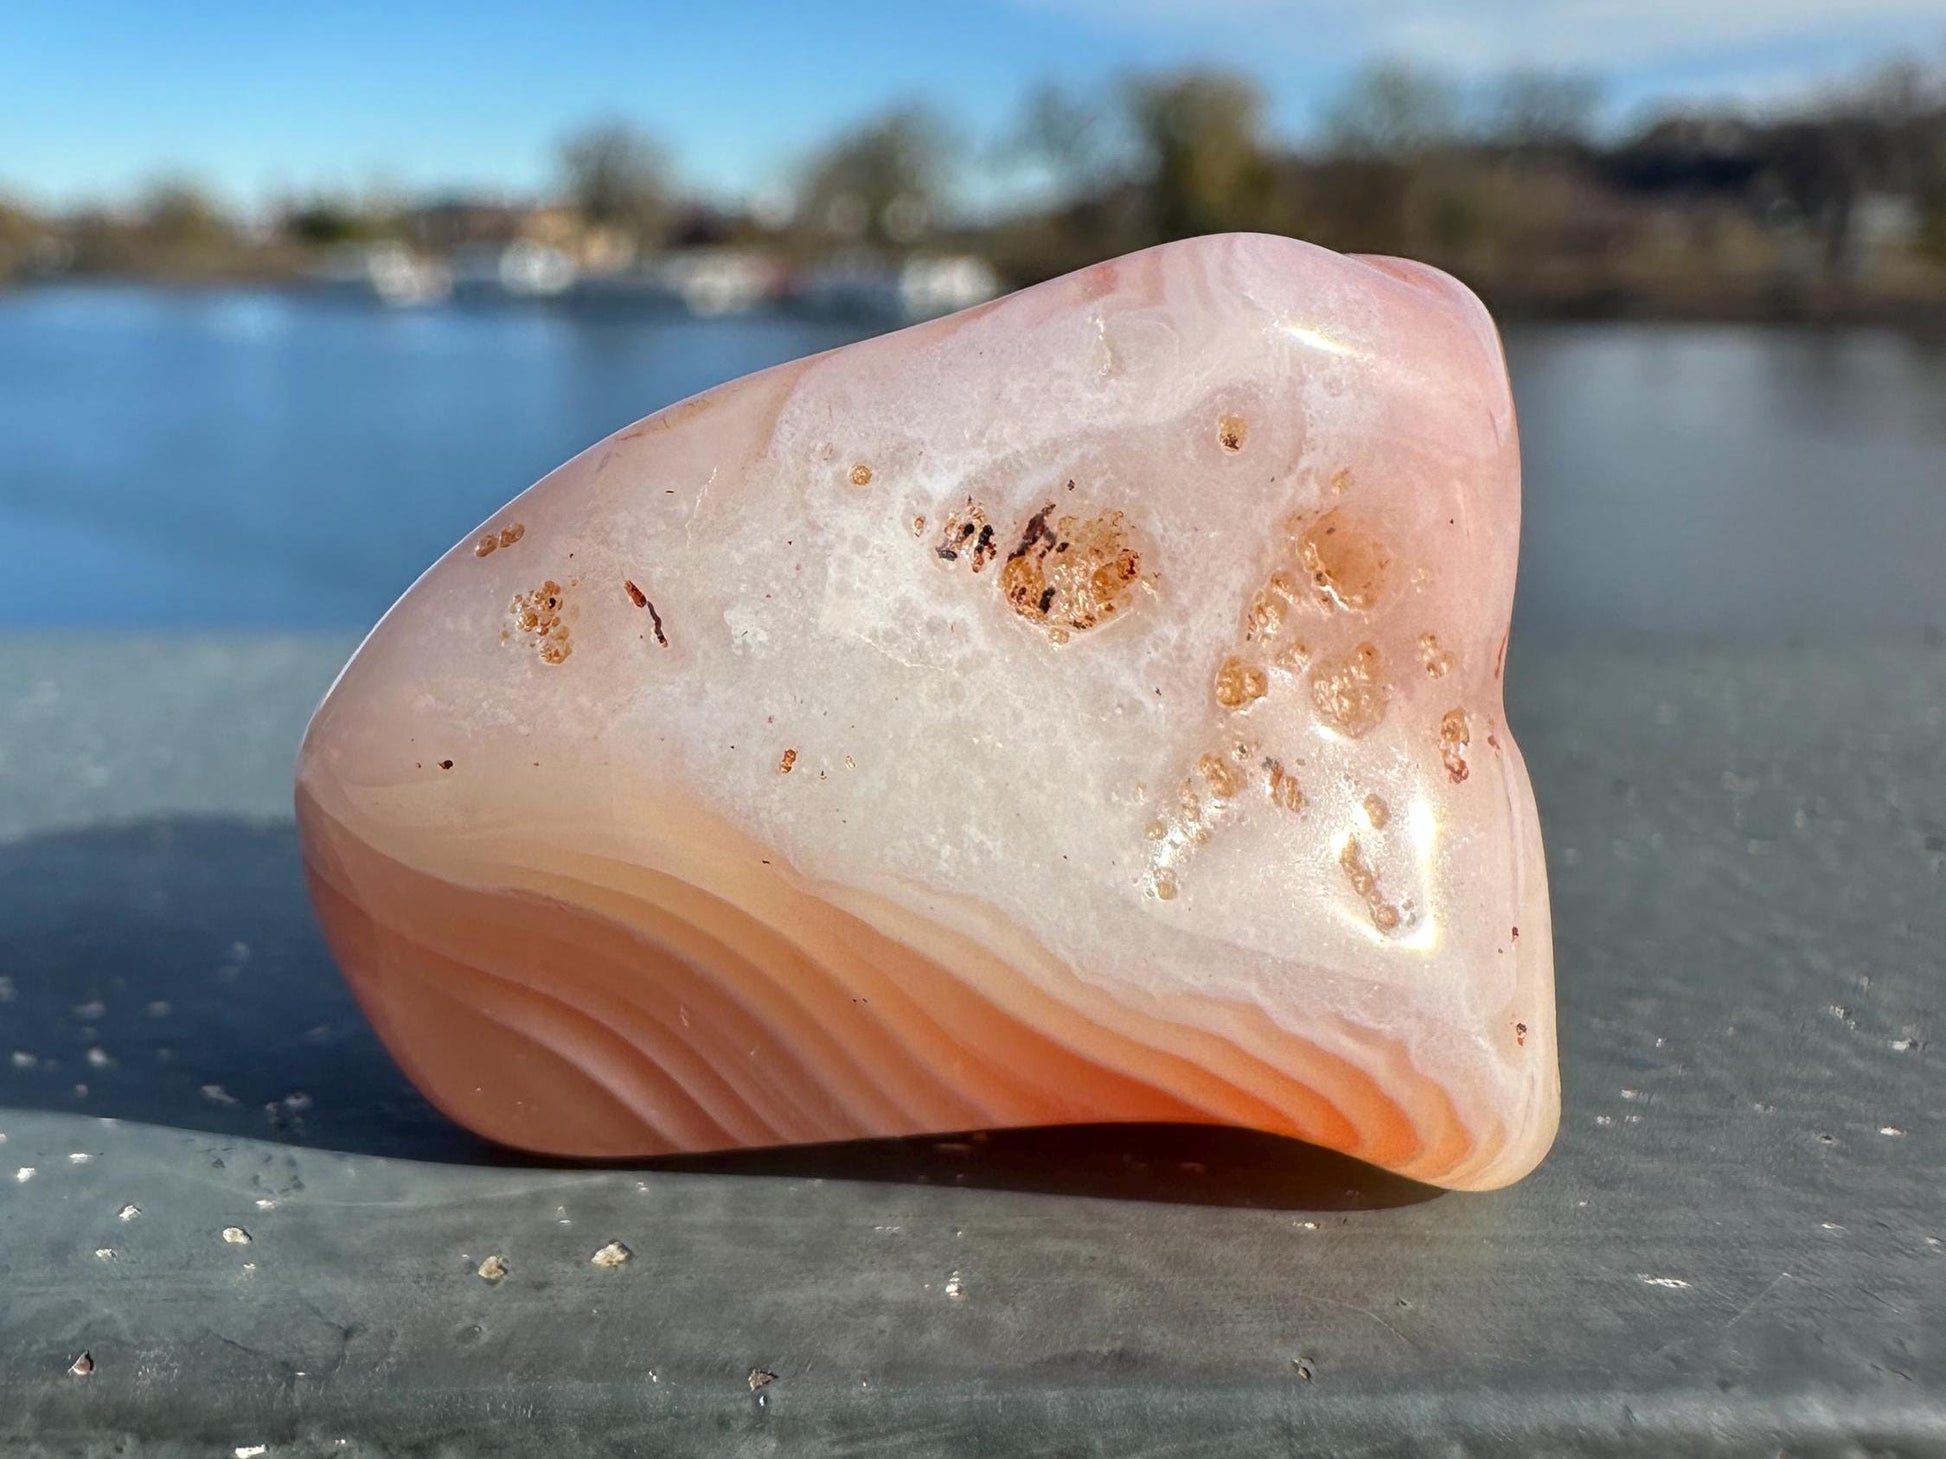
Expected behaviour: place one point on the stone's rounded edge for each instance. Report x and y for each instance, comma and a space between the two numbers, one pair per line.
1512, 1160
1428, 279
1530, 1128
1536, 1132
1527, 1123
1531, 1134
1470, 311
1527, 1144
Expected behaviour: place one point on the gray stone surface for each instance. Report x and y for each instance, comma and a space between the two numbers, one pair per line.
1738, 1245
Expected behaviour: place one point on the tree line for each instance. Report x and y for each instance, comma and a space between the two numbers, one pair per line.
1513, 184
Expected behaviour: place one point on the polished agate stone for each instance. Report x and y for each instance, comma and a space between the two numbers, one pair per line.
1083, 708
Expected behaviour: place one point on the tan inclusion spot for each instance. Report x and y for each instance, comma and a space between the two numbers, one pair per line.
1432, 658
861, 475
1271, 606
1348, 692
1454, 736
1223, 778
538, 614
1294, 656
1283, 786
1205, 798
1364, 881
1230, 433
1069, 574
1348, 565
493, 541
1191, 823
1237, 683
1327, 563
967, 535
788, 760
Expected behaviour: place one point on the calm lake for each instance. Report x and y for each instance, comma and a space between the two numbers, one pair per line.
263, 459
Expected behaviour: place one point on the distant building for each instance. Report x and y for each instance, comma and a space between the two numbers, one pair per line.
453, 223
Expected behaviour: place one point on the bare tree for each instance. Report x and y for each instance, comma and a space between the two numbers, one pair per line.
1884, 133
1071, 136
884, 182
180, 217
1199, 136
615, 177
1530, 110
1393, 112
22, 235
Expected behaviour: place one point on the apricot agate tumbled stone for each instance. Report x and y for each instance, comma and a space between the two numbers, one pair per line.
1083, 708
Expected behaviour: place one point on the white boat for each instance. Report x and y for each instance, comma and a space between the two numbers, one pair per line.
388, 272
712, 281
522, 269
929, 287
922, 287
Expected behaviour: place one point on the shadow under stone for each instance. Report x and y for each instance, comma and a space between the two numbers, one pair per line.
169, 971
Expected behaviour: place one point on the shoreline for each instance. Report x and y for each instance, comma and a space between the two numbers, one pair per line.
1923, 315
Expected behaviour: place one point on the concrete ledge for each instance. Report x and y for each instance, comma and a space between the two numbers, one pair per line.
1737, 1246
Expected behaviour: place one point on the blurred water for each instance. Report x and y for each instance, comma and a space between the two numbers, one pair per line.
292, 460
1745, 482
255, 458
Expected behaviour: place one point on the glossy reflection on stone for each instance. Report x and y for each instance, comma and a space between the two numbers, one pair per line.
1083, 708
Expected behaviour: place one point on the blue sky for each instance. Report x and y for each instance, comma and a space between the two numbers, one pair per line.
262, 98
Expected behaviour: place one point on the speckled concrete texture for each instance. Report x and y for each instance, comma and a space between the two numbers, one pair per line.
1738, 1245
